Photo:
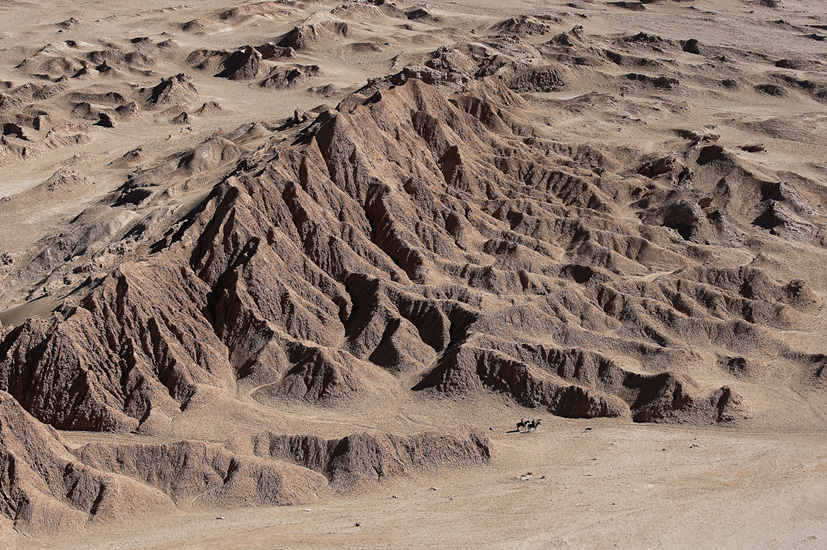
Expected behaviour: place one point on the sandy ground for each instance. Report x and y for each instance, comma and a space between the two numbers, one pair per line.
625, 116
570, 484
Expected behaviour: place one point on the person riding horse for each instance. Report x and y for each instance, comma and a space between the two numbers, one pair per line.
528, 425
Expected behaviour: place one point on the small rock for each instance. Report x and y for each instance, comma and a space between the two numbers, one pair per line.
299, 116
105, 121
417, 13
183, 118
753, 148
692, 46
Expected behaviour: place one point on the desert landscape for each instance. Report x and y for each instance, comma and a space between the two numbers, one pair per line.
287, 274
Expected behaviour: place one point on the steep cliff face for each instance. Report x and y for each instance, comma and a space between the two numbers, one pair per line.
399, 234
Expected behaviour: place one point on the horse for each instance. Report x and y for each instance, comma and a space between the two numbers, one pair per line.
533, 424
522, 424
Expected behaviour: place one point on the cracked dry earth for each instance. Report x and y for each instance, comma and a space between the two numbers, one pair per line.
287, 274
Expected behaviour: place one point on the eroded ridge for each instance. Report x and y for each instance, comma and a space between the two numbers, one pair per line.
49, 487
410, 232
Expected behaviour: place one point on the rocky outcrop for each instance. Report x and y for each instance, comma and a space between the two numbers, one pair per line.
244, 64
45, 489
537, 79
525, 25
271, 51
124, 353
578, 384
175, 90
319, 28
362, 459
663, 82
434, 236
205, 474
284, 77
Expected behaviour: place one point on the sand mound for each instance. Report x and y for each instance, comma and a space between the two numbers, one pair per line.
75, 60
208, 108
242, 64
